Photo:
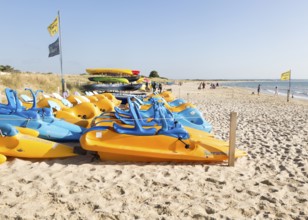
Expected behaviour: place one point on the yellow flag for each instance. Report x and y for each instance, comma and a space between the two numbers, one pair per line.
286, 75
54, 27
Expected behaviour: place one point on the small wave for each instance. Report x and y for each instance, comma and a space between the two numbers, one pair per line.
299, 92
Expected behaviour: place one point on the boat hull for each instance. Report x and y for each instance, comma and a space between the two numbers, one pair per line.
15, 144
111, 145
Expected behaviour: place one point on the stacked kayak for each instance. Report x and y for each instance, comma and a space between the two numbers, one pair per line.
114, 87
112, 71
112, 79
109, 80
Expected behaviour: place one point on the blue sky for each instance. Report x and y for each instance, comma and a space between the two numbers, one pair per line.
191, 39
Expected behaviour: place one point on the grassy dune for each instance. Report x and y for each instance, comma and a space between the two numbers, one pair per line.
47, 82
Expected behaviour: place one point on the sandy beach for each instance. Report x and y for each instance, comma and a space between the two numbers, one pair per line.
271, 182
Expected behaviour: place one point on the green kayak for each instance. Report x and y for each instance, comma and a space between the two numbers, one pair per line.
108, 79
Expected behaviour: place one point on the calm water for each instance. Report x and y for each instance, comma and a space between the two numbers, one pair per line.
299, 88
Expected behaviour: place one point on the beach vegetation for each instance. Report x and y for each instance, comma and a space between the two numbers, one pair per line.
154, 74
49, 83
8, 68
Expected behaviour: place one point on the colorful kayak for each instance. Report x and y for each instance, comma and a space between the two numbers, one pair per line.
15, 144
109, 79
104, 87
132, 78
111, 71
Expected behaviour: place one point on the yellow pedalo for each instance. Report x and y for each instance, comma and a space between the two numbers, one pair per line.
26, 145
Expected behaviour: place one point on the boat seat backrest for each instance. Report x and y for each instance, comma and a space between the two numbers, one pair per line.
177, 130
123, 112
10, 98
34, 101
18, 103
133, 131
138, 129
67, 103
46, 96
54, 105
26, 98
139, 101
85, 99
57, 96
77, 100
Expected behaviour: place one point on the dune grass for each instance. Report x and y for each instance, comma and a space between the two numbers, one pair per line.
47, 82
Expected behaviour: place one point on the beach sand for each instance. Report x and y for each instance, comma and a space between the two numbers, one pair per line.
271, 182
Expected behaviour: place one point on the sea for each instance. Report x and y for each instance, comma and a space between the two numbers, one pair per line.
299, 88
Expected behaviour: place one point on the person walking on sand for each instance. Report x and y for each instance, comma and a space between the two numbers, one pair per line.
276, 90
259, 87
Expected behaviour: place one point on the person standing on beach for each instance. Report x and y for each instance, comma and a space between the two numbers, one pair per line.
154, 86
160, 87
259, 87
276, 90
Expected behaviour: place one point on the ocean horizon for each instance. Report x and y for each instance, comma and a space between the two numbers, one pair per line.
298, 87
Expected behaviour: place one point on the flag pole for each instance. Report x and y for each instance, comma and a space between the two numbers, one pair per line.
289, 91
60, 40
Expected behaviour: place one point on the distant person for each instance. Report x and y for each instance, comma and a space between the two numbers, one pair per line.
160, 87
200, 86
147, 86
203, 85
258, 90
154, 86
276, 90
213, 86
217, 84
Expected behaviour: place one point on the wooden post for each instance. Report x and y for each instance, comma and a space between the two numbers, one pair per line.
232, 137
